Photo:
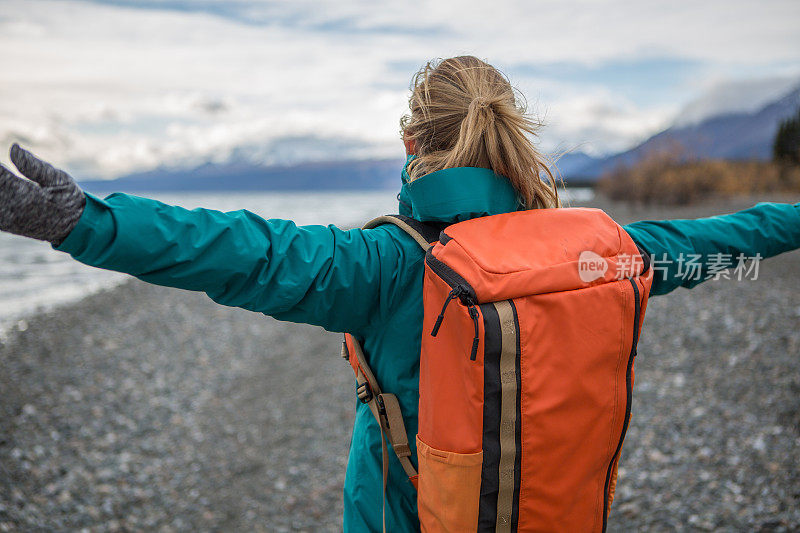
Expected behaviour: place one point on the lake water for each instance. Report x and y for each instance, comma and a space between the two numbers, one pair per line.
34, 276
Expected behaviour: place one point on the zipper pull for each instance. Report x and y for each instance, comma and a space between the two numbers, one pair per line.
473, 313
440, 318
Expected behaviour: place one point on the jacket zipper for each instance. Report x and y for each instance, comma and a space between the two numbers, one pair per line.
628, 387
459, 289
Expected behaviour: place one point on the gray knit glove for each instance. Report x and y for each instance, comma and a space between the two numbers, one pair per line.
46, 206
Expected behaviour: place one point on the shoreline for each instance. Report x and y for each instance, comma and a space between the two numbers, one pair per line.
621, 212
143, 407
18, 320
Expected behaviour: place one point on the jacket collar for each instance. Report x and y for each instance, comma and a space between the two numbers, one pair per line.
455, 194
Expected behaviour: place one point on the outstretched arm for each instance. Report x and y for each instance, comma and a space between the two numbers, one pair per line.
675, 246
314, 274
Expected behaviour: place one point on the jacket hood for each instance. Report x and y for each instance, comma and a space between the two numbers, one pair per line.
456, 194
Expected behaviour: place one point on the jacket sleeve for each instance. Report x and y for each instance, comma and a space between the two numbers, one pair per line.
314, 274
685, 253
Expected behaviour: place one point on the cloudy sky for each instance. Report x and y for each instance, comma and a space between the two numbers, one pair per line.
108, 87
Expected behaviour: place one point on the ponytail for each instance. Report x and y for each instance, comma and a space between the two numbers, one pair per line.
465, 113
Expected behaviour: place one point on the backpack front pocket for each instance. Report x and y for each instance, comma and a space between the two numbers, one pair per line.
449, 489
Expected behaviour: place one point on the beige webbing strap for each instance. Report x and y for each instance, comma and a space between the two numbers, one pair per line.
384, 470
397, 432
508, 416
386, 410
387, 219
365, 379
383, 425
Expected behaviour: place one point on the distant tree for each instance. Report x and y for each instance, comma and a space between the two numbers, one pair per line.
786, 146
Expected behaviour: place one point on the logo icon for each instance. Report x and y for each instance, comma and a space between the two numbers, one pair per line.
591, 266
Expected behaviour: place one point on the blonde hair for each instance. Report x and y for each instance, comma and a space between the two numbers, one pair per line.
465, 113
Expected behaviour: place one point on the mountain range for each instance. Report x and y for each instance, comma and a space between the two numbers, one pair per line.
729, 135
741, 135
336, 175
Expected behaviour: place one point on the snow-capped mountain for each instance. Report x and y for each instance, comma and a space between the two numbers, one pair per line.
728, 134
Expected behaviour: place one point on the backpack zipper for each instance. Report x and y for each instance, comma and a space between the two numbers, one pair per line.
628, 387
459, 289
454, 293
473, 313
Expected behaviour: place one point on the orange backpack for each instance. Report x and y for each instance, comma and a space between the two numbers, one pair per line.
530, 326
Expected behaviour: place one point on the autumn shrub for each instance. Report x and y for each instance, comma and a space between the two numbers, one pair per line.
669, 178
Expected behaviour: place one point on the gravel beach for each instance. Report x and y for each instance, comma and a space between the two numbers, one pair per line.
144, 408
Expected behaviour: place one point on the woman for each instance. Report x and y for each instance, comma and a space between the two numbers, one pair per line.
469, 155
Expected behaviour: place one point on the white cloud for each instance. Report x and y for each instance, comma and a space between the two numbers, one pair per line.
742, 96
599, 122
105, 90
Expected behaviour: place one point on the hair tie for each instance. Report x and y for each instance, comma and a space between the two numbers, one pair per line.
481, 102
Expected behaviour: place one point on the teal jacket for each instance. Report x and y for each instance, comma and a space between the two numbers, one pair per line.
367, 282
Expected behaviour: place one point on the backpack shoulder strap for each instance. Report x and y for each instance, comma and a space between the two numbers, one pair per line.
386, 410
385, 407
425, 233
